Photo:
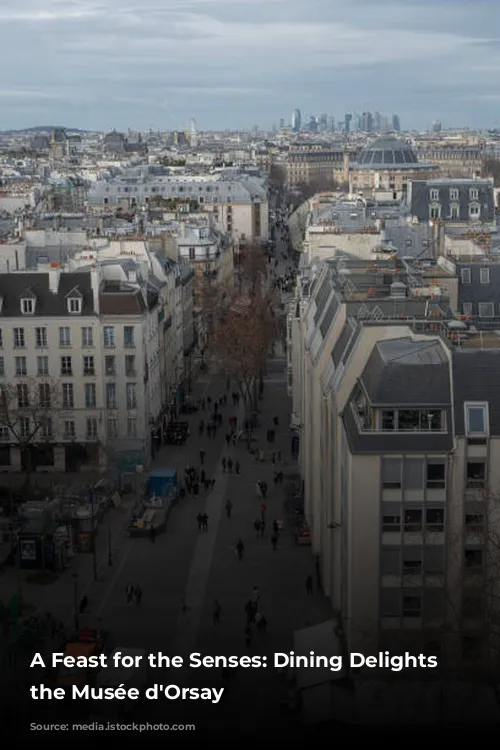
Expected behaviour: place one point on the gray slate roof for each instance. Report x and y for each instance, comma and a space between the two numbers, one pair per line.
402, 372
13, 286
476, 377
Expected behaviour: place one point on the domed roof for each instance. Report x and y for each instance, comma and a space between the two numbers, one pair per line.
386, 152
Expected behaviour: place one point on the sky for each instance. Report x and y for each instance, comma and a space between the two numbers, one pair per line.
103, 64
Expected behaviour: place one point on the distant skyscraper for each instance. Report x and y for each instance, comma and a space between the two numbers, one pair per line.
331, 124
312, 124
377, 122
192, 135
323, 122
396, 125
296, 120
367, 122
436, 126
347, 122
282, 123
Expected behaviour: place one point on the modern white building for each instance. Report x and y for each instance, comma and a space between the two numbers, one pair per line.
395, 406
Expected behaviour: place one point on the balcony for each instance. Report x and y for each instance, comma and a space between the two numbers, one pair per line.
427, 422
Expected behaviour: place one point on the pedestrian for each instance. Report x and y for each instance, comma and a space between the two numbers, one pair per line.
276, 528
273, 459
274, 542
258, 487
199, 519
152, 534
212, 484
206, 484
262, 528
309, 585
240, 548
202, 457
229, 507
138, 595
202, 476
129, 593
263, 509
223, 462
263, 487
237, 467
248, 636
275, 421
228, 439
216, 613
256, 526
230, 465
204, 522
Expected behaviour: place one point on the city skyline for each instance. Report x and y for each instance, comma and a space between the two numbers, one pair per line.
113, 65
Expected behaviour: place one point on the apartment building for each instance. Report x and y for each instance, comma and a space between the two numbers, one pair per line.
456, 202
80, 369
395, 408
309, 163
238, 200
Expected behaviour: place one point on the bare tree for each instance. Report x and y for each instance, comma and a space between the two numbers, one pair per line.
252, 268
277, 175
245, 331
27, 411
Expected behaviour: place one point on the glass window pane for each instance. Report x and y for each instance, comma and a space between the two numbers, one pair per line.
476, 418
413, 474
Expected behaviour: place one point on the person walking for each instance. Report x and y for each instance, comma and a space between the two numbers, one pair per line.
229, 507
199, 520
129, 593
223, 462
230, 465
262, 528
309, 585
204, 522
237, 467
240, 548
256, 526
202, 457
216, 613
274, 542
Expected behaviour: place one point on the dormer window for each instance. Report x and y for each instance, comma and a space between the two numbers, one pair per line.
74, 305
74, 301
27, 305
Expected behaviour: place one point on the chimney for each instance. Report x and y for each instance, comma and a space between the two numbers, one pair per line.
54, 274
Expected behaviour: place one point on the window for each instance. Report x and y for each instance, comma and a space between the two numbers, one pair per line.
476, 419
467, 308
87, 336
4, 433
41, 337
434, 194
389, 420
465, 276
131, 427
473, 559
128, 337
66, 366
42, 365
64, 336
486, 310
434, 519
18, 336
413, 474
390, 562
391, 473
484, 275
112, 427
131, 396
27, 305
44, 396
110, 396
192, 253
476, 475
436, 476
453, 194
2, 367
91, 431
391, 517
90, 395
412, 606
413, 519
434, 212
454, 212
69, 429
130, 365
74, 305
109, 337
474, 211
25, 427
474, 523
110, 365
23, 398
434, 559
412, 561
21, 368
474, 194
46, 430
88, 366
68, 398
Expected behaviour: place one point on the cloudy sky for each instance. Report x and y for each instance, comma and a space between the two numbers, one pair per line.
100, 64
